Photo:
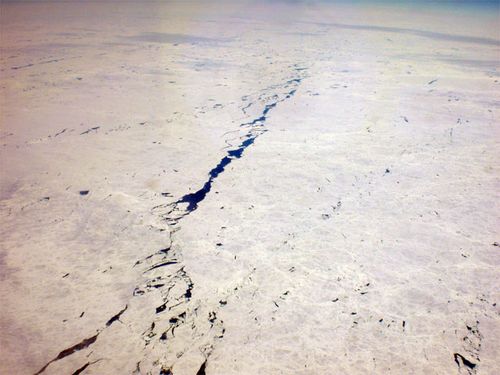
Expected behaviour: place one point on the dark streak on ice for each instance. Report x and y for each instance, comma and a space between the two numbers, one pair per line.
81, 345
162, 264
201, 371
464, 360
116, 317
82, 369
94, 129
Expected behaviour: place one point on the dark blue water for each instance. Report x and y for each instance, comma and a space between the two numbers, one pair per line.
193, 199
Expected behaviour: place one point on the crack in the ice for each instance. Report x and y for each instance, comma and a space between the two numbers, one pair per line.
84, 367
176, 308
201, 371
472, 346
116, 317
82, 344
256, 128
459, 358
75, 348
